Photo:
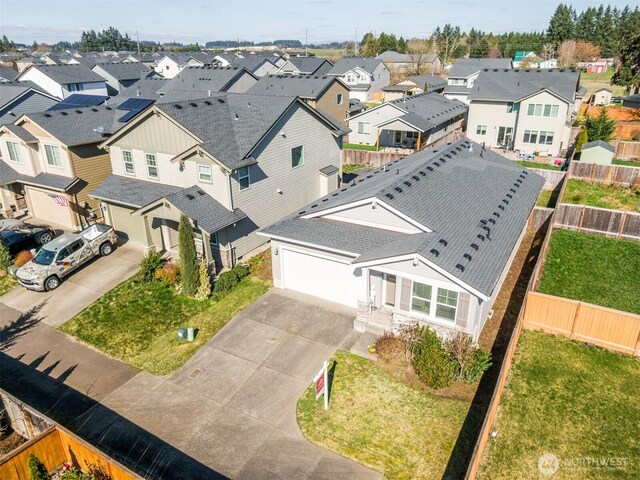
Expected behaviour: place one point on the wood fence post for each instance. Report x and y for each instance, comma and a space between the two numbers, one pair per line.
575, 319
636, 350
581, 217
624, 219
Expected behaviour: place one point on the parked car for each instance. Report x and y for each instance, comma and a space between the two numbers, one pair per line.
26, 237
61, 256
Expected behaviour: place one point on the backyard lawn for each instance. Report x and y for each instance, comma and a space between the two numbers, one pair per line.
570, 400
7, 282
352, 167
594, 81
635, 162
137, 322
616, 197
594, 269
357, 146
542, 166
382, 423
548, 198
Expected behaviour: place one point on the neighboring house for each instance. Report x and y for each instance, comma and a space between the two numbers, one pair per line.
413, 86
356, 106
551, 63
365, 76
632, 101
329, 94
599, 66
18, 98
232, 163
305, 66
258, 65
403, 64
463, 74
597, 152
145, 88
428, 238
121, 75
528, 111
411, 122
526, 59
64, 80
200, 82
601, 97
51, 160
7, 74
172, 63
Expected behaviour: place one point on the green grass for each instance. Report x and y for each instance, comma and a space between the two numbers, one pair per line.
602, 195
137, 322
352, 167
571, 400
329, 52
548, 198
7, 282
627, 163
594, 81
594, 269
382, 423
542, 166
357, 146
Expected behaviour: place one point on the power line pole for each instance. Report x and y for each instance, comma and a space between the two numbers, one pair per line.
306, 42
355, 44
138, 42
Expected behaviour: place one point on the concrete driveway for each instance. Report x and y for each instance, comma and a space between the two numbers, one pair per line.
232, 407
80, 289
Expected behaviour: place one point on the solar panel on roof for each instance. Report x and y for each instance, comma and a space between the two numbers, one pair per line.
135, 104
128, 116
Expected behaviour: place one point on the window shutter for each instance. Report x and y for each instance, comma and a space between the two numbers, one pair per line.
462, 315
405, 295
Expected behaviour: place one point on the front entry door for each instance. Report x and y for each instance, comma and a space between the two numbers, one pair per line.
390, 290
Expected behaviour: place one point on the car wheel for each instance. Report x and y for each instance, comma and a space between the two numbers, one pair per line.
51, 283
46, 237
106, 249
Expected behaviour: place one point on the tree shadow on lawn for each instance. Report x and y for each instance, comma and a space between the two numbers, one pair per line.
465, 443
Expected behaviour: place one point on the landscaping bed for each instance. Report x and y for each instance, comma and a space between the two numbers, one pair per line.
594, 269
602, 195
570, 400
381, 422
137, 322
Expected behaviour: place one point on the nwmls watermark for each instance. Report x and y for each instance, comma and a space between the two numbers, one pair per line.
550, 464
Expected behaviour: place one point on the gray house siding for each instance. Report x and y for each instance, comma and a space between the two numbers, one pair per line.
32, 102
261, 202
243, 83
380, 79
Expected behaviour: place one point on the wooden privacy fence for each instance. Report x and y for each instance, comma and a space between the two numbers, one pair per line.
369, 158
552, 178
612, 223
617, 174
56, 446
538, 217
627, 149
605, 327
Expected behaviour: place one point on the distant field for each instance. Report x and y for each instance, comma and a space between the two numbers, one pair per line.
594, 81
328, 52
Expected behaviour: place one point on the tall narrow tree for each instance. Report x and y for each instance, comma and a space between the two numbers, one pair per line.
188, 259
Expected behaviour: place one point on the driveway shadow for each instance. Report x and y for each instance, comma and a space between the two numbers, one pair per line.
139, 450
10, 333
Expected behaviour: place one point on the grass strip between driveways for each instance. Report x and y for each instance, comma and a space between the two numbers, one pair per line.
382, 423
593, 268
602, 195
7, 283
542, 166
570, 400
137, 322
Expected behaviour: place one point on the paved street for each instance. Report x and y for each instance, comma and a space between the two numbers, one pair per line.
232, 407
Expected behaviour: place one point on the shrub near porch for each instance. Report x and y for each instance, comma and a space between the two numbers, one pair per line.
137, 321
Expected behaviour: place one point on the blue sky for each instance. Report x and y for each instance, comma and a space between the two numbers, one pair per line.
263, 20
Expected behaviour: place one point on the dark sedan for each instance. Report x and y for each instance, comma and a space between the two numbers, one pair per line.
26, 237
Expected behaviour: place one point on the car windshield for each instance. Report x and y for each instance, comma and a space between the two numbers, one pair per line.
44, 257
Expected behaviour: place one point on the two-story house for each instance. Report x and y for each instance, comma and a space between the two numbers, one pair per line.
231, 162
172, 63
64, 80
50, 161
305, 66
525, 110
329, 94
365, 76
401, 64
413, 86
18, 98
200, 82
257, 64
414, 122
121, 75
464, 72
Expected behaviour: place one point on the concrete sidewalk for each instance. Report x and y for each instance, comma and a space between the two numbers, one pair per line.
232, 407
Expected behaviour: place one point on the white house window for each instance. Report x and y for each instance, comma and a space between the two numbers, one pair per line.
534, 109
204, 173
421, 298
481, 130
127, 159
75, 87
297, 156
152, 165
546, 138
213, 240
243, 178
530, 136
412, 135
364, 128
551, 110
339, 99
509, 107
53, 156
446, 304
14, 152
350, 78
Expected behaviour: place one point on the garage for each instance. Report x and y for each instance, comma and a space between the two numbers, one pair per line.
52, 207
129, 226
322, 277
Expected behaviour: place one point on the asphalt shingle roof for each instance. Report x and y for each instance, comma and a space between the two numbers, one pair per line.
345, 64
467, 198
308, 65
307, 86
20, 132
9, 91
65, 74
131, 192
465, 67
196, 82
144, 88
125, 71
57, 182
8, 73
599, 143
513, 85
252, 62
428, 110
433, 82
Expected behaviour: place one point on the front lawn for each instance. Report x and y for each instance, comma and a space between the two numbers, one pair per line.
569, 400
137, 322
594, 269
542, 166
7, 282
383, 423
603, 195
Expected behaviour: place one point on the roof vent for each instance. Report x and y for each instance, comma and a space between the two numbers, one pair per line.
398, 189
200, 192
302, 212
436, 164
442, 241
416, 178
94, 109
78, 111
505, 201
220, 100
434, 251
189, 196
108, 108
193, 104
407, 183
475, 246
480, 237
467, 256
430, 168
389, 196
422, 173
492, 220
512, 190
48, 115
207, 102
501, 207
460, 267
517, 185
64, 113
179, 107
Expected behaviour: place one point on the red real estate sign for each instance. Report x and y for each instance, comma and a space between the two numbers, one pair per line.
319, 386
320, 381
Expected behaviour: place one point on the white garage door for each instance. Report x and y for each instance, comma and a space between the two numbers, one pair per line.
320, 277
50, 207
